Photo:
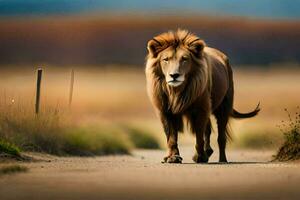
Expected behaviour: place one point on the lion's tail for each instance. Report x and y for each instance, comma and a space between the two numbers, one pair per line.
238, 115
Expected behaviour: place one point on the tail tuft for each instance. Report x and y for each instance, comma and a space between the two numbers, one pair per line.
238, 115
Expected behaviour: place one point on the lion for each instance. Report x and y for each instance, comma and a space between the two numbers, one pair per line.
188, 80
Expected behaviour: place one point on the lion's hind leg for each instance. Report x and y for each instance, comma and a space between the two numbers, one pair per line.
222, 114
209, 151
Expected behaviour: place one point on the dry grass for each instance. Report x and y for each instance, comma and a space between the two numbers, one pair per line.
56, 130
290, 149
54, 133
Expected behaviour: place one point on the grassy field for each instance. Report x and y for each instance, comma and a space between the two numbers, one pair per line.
110, 109
85, 128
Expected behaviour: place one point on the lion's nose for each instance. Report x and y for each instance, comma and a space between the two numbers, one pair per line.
175, 76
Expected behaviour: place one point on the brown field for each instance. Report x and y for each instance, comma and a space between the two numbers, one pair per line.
118, 95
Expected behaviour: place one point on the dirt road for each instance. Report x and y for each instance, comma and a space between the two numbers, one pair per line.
142, 176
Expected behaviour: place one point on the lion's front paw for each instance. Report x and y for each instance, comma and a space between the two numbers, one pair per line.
172, 159
200, 158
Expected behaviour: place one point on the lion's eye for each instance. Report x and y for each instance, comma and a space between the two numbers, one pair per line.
166, 59
184, 59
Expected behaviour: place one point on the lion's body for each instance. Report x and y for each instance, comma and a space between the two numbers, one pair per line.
221, 75
207, 89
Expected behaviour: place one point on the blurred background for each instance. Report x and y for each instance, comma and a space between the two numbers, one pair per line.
104, 42
97, 32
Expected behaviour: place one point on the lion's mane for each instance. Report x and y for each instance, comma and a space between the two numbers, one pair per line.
197, 81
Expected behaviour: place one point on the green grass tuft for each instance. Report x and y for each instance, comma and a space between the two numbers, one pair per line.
12, 169
290, 149
95, 141
142, 139
258, 140
8, 148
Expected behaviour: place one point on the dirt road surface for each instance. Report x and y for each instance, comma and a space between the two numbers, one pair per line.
249, 175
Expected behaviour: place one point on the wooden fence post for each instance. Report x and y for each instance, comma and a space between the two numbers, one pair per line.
38, 90
71, 88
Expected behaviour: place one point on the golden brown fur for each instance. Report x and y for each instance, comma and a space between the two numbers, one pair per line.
185, 78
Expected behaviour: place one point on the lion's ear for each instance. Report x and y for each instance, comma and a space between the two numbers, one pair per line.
196, 47
153, 46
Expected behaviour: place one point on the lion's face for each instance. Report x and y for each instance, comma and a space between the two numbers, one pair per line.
173, 55
176, 65
176, 70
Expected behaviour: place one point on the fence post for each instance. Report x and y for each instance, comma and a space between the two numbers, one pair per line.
38, 90
71, 88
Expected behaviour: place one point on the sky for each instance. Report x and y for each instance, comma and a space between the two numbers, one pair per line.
271, 9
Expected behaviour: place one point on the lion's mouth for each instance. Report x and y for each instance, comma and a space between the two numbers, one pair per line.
174, 83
